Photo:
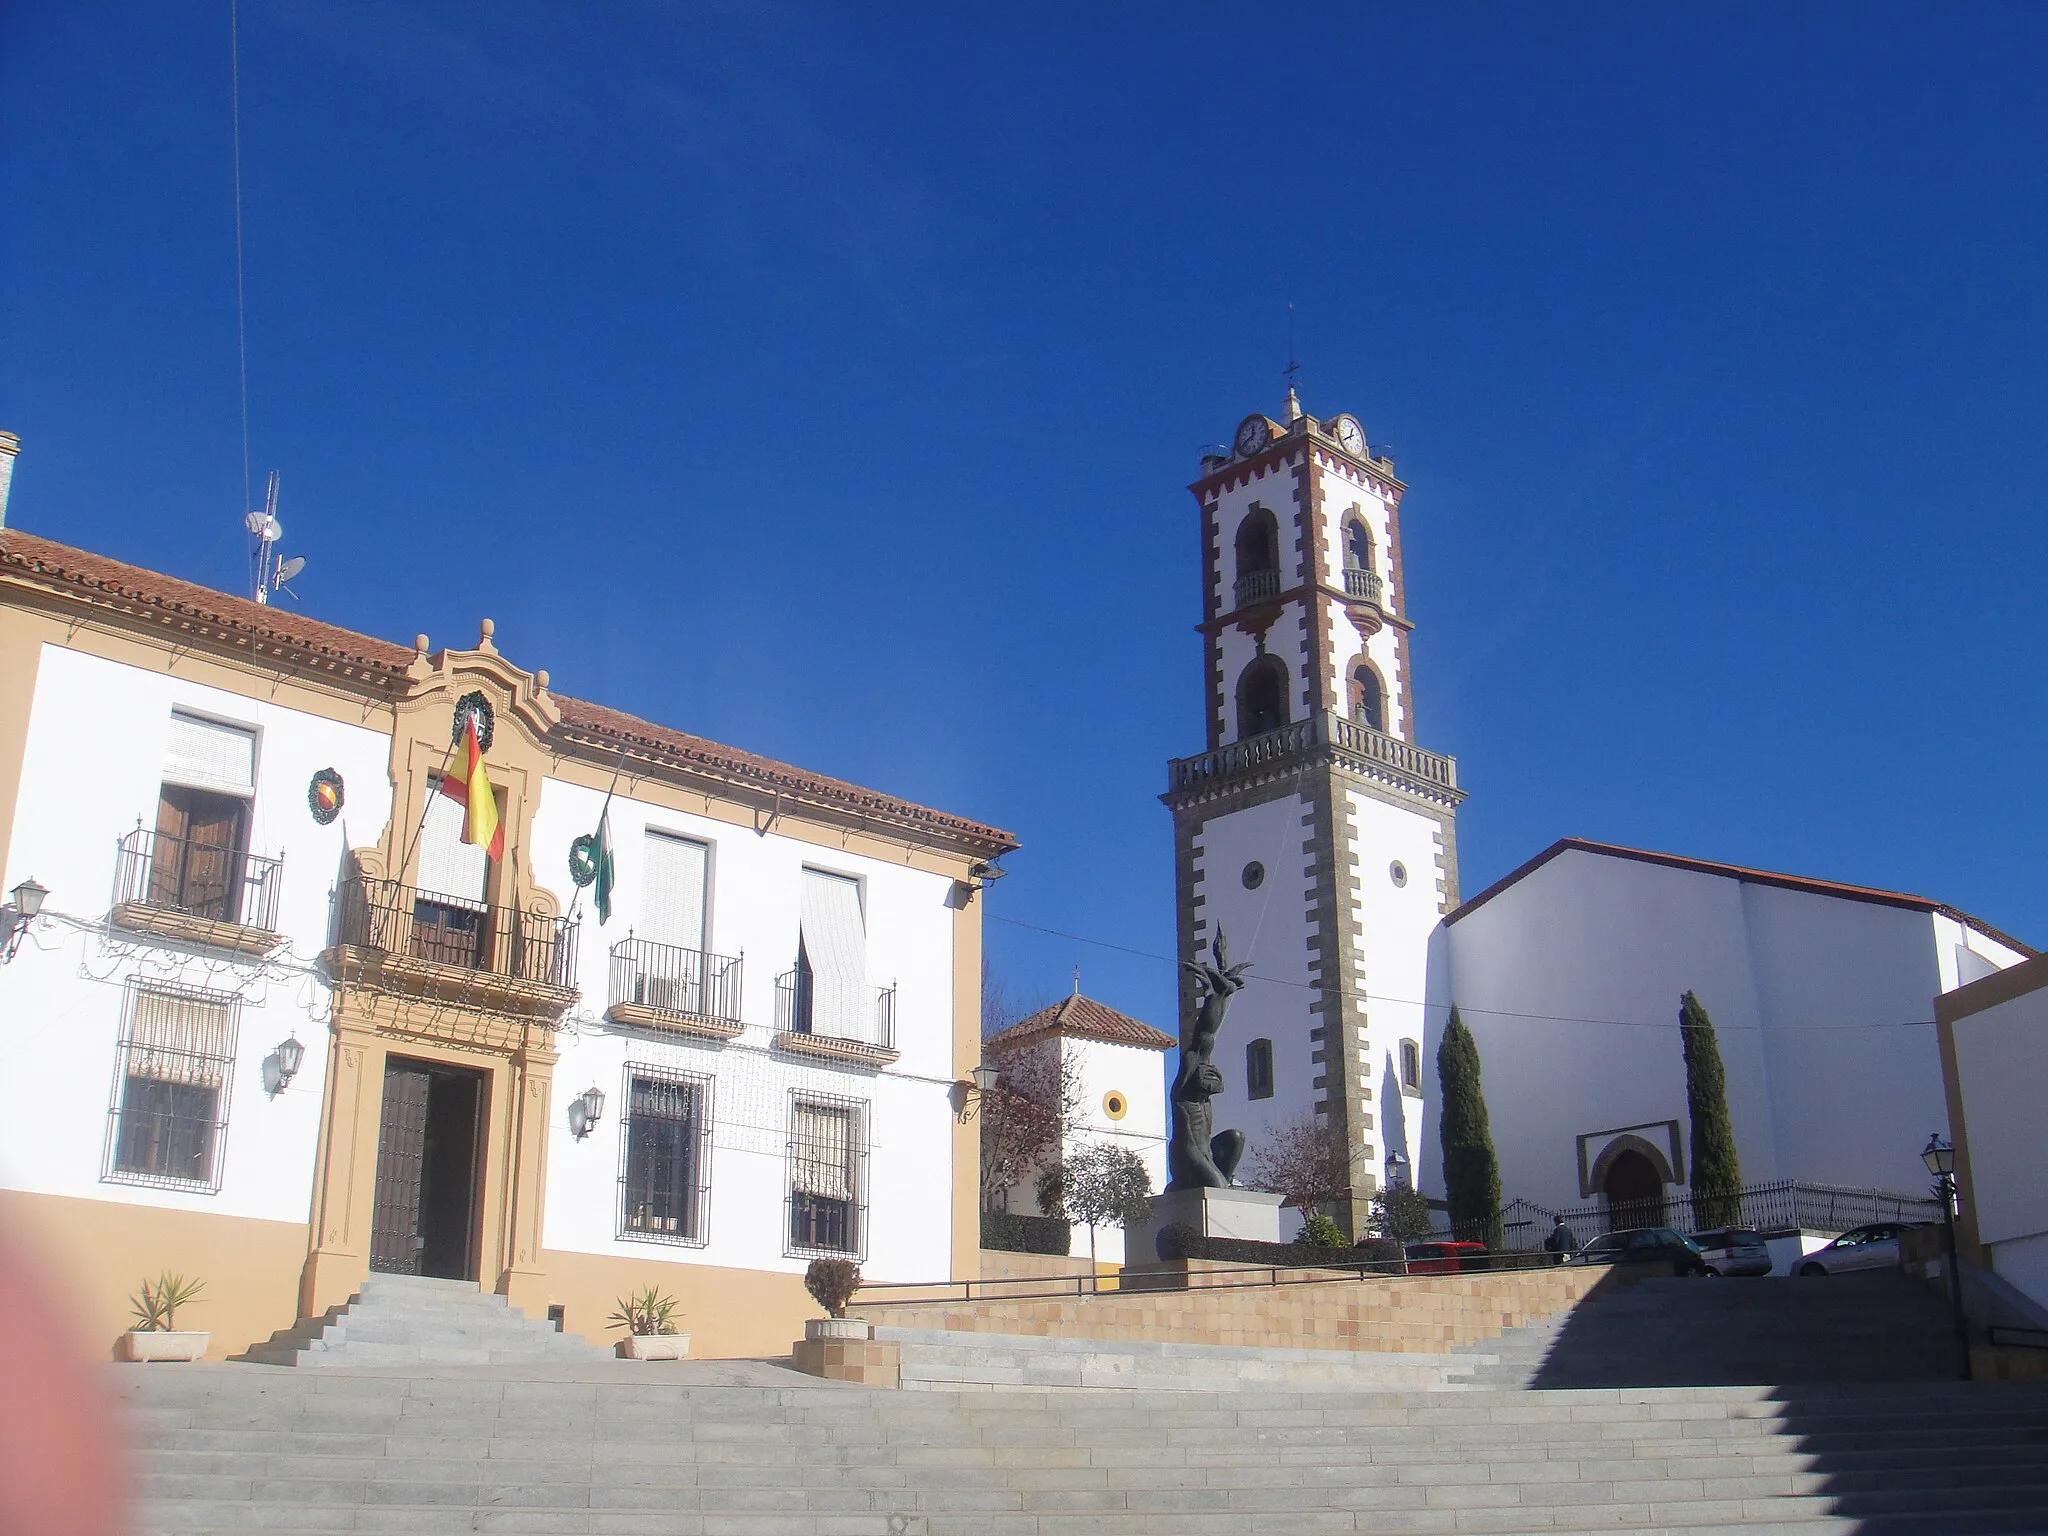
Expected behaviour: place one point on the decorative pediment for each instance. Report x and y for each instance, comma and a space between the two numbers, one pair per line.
514, 694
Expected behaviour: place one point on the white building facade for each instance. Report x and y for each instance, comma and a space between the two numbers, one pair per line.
1314, 832
1569, 974
756, 1059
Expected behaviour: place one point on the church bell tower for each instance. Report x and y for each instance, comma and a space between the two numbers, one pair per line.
1313, 829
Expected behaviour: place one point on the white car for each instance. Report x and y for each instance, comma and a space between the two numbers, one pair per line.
1873, 1246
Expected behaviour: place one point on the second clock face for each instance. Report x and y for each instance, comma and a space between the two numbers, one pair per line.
1349, 434
1253, 433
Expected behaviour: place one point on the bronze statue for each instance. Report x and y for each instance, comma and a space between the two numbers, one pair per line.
1195, 1159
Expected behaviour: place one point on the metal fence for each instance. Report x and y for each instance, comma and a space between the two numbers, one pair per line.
1777, 1206
218, 883
691, 983
795, 1012
501, 941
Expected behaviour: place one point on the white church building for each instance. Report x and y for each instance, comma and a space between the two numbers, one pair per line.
1317, 831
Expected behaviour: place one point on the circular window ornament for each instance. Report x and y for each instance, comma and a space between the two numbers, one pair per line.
583, 856
324, 796
474, 703
1115, 1105
1254, 875
1398, 872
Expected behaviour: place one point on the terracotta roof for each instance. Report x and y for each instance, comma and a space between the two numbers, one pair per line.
236, 624
1739, 872
1085, 1018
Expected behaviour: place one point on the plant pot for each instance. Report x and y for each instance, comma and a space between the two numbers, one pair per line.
837, 1328
182, 1344
654, 1346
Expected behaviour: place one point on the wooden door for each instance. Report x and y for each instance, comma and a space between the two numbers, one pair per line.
395, 1241
197, 863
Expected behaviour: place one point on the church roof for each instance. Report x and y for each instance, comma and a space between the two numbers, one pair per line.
273, 637
1739, 872
1086, 1019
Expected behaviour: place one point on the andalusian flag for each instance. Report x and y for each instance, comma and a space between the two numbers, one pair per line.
607, 872
480, 829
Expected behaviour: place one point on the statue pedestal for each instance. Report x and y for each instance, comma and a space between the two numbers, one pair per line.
1244, 1213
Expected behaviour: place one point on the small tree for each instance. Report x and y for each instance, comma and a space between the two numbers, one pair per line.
1105, 1185
1401, 1214
1026, 1117
1471, 1171
832, 1283
1716, 1170
1304, 1161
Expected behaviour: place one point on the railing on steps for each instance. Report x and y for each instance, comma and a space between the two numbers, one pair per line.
1778, 1205
1134, 1279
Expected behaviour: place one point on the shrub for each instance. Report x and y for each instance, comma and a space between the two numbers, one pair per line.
832, 1283
1181, 1242
646, 1312
1716, 1170
1007, 1232
1401, 1216
1321, 1232
1471, 1171
156, 1306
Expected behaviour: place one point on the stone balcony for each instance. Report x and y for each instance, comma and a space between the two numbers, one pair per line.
1324, 737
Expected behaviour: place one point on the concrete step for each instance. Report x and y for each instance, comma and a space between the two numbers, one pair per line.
406, 1320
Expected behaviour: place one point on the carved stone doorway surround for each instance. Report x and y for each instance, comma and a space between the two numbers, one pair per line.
505, 1033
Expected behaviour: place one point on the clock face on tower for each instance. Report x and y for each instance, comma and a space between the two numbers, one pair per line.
1253, 433
1349, 434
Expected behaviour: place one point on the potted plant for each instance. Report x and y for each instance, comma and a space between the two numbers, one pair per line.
156, 1335
832, 1283
649, 1319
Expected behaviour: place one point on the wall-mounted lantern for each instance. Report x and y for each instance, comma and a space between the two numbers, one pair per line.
969, 1092
15, 917
585, 1110
282, 1065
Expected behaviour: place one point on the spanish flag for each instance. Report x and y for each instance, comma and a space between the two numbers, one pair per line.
480, 829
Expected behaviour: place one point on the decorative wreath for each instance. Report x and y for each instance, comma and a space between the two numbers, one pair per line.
474, 703
583, 859
325, 796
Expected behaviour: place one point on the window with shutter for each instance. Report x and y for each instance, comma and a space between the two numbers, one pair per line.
204, 754
171, 1080
827, 1159
668, 1156
832, 964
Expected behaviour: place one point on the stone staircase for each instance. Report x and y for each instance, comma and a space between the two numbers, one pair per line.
617, 1449
1879, 1326
406, 1321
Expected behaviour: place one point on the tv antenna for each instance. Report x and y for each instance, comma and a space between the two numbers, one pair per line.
271, 573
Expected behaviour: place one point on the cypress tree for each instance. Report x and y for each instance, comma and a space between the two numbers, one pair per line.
1471, 1171
1716, 1171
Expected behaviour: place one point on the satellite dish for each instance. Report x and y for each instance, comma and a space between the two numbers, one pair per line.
289, 569
255, 522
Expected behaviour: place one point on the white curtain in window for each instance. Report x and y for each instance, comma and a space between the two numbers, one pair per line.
176, 1039
672, 891
206, 755
835, 942
824, 1151
451, 870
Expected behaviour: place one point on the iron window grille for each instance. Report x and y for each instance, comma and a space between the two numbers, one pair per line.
665, 1157
828, 1176
167, 1116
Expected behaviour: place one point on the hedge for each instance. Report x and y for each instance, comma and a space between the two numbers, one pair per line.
1186, 1243
1009, 1233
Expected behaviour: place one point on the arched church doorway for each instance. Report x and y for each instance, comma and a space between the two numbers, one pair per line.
1635, 1192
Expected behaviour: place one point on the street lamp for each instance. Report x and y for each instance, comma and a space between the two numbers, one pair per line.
18, 914
979, 1084
1940, 1158
1397, 1169
283, 1065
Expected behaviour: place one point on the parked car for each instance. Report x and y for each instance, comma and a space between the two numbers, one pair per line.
1440, 1258
1645, 1245
1875, 1245
1734, 1251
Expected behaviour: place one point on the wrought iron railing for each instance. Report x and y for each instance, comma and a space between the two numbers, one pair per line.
690, 983
498, 941
1364, 584
1324, 730
796, 1012
1253, 586
1781, 1205
209, 881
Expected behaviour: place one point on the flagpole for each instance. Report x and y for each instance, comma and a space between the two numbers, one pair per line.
576, 905
398, 874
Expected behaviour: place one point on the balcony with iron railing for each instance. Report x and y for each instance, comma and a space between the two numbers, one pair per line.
197, 892
1363, 585
849, 1022
1323, 735
1256, 587
423, 944
685, 991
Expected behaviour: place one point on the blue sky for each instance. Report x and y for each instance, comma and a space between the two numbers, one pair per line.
826, 380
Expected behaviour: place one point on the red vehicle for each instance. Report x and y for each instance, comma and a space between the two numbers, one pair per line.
1440, 1258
